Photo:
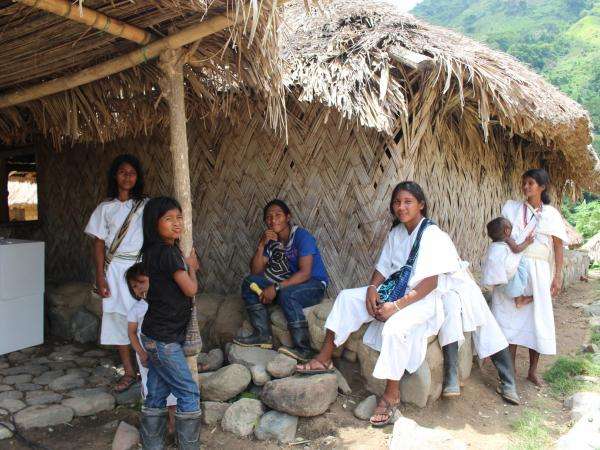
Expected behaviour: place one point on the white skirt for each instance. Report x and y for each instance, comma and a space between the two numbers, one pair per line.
532, 325
466, 311
120, 300
401, 340
113, 330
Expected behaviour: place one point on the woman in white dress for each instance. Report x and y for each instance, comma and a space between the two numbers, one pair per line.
399, 329
115, 250
532, 325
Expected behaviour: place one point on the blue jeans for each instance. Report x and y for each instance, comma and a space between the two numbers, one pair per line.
291, 299
168, 373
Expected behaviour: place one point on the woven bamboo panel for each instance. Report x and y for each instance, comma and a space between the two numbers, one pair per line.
336, 177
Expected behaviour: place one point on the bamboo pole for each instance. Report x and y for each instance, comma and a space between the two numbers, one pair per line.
124, 62
94, 19
173, 90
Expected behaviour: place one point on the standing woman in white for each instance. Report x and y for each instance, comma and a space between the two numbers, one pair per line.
399, 329
116, 226
532, 325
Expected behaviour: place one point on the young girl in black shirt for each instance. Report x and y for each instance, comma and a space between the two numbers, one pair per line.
173, 285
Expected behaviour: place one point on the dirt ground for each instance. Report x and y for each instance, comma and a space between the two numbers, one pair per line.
479, 417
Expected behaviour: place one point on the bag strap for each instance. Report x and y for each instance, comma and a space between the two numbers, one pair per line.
121, 234
414, 251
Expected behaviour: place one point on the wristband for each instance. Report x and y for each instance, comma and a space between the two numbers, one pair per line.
373, 286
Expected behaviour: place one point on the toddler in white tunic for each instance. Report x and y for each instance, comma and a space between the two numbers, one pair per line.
136, 315
104, 224
402, 339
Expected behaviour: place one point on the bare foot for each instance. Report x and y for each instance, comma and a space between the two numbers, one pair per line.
533, 377
523, 300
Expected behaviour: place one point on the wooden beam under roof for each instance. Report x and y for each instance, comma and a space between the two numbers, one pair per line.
92, 18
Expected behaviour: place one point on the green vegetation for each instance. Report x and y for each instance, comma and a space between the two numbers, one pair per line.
560, 39
561, 375
584, 216
530, 432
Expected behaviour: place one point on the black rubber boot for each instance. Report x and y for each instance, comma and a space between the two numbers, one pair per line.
261, 336
451, 381
506, 372
187, 427
153, 428
301, 351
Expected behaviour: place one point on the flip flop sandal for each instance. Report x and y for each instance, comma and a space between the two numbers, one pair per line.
124, 383
305, 369
391, 411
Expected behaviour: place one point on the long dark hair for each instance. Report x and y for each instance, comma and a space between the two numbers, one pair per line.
542, 178
113, 189
153, 211
415, 190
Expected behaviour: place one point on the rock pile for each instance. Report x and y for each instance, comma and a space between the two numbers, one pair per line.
51, 389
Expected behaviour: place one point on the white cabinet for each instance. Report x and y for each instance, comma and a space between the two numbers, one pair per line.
21, 294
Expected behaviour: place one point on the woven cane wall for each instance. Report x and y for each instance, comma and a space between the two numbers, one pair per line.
336, 178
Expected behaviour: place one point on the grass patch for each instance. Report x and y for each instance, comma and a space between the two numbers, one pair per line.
595, 338
561, 375
531, 432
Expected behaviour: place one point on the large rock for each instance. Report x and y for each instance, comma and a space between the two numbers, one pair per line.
42, 397
281, 366
48, 377
581, 403
259, 375
17, 379
127, 437
211, 361
90, 405
408, 435
31, 369
465, 358
278, 426
241, 417
26, 387
84, 326
12, 405
213, 412
131, 396
364, 410
219, 317
66, 382
279, 327
43, 416
367, 358
250, 356
304, 396
6, 431
225, 383
12, 395
316, 316
69, 295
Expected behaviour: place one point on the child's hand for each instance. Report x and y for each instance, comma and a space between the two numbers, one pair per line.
143, 359
192, 261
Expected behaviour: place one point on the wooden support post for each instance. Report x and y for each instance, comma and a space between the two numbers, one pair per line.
173, 90
411, 59
91, 18
4, 216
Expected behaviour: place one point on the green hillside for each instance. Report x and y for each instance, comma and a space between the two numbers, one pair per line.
558, 38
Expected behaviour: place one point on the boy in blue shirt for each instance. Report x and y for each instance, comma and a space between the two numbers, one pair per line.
288, 268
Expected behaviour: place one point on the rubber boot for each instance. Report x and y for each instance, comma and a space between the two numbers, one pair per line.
187, 427
153, 428
261, 335
301, 351
451, 381
506, 372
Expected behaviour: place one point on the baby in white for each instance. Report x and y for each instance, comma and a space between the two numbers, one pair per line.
503, 265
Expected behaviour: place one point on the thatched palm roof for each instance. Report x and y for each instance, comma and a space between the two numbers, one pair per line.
593, 247
37, 46
348, 59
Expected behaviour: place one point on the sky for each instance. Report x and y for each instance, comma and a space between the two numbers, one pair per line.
404, 5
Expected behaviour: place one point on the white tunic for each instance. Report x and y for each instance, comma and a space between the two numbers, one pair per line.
104, 224
402, 339
532, 325
500, 264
